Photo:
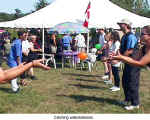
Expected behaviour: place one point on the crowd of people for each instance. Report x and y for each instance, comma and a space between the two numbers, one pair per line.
131, 51
115, 51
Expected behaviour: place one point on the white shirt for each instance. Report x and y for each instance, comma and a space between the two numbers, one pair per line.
114, 48
26, 46
102, 40
80, 40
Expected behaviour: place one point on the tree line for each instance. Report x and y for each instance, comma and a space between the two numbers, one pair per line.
18, 13
140, 7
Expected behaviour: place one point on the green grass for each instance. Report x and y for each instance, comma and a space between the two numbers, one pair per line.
70, 91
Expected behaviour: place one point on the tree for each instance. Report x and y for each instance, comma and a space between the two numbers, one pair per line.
5, 17
18, 13
140, 7
41, 4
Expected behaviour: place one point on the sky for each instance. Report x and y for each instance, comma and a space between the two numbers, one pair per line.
25, 6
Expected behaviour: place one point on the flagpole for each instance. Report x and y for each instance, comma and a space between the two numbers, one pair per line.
43, 56
86, 23
88, 41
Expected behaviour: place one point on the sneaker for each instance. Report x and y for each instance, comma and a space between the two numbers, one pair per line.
115, 89
132, 107
109, 82
106, 81
105, 77
112, 87
17, 91
33, 78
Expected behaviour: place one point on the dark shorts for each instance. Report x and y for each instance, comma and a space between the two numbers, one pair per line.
104, 54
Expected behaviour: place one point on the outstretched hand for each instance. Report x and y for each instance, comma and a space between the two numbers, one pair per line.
118, 56
39, 63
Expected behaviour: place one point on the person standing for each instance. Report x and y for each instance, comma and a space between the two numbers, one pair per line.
115, 64
15, 57
103, 42
33, 54
131, 74
142, 53
67, 40
80, 43
53, 44
25, 53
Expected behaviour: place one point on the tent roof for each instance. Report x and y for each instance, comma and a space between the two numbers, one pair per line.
58, 11
106, 13
103, 12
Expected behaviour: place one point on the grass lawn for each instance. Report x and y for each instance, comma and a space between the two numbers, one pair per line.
70, 91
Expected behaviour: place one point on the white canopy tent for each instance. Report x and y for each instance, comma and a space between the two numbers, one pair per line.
59, 11
105, 13
102, 12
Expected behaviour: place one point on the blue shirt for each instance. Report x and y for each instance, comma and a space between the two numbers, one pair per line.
15, 51
129, 41
67, 40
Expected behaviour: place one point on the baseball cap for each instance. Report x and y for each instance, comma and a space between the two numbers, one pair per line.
125, 21
102, 27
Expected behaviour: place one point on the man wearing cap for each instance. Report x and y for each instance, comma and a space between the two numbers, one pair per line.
131, 74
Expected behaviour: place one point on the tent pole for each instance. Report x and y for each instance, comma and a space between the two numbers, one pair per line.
43, 43
88, 40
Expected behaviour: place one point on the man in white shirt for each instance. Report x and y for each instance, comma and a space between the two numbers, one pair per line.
25, 51
80, 42
25, 47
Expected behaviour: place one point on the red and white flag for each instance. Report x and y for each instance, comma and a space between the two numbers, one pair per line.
87, 12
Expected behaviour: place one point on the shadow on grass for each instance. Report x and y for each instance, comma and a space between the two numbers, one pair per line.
8, 90
2, 111
99, 81
76, 74
88, 87
83, 98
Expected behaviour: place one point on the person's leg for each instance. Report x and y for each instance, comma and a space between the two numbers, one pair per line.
78, 50
115, 71
82, 49
110, 76
14, 85
31, 72
134, 86
125, 80
110, 71
106, 68
105, 56
134, 89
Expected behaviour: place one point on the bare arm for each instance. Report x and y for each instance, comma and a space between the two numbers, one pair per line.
18, 60
144, 60
6, 75
25, 53
35, 50
128, 52
55, 42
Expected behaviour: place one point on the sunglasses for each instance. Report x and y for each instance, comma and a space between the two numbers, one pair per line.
144, 34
